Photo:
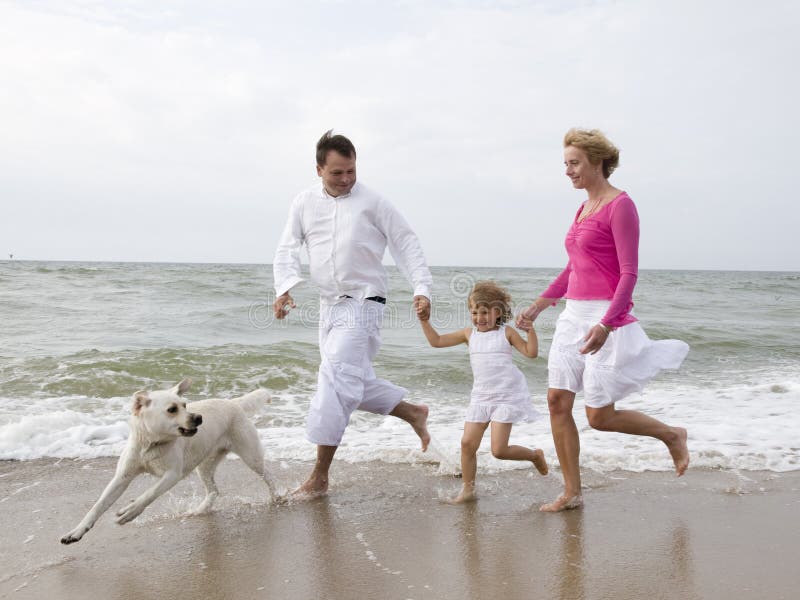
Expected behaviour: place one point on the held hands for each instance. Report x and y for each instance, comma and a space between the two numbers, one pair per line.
595, 339
282, 305
525, 325
422, 306
526, 318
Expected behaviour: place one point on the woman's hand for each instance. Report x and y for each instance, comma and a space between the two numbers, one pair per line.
595, 339
526, 318
525, 325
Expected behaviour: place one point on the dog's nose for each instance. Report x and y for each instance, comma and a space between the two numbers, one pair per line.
196, 419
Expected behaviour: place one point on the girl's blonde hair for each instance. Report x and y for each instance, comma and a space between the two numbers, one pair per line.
597, 146
488, 293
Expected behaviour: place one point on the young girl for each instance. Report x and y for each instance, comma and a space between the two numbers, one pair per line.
500, 393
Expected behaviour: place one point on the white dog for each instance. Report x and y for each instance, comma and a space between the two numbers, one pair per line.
168, 441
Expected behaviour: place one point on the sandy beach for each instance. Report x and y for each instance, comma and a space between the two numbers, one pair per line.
383, 532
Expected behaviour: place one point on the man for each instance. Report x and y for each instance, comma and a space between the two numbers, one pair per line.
346, 228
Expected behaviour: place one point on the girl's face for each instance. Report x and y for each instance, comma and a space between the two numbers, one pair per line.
483, 317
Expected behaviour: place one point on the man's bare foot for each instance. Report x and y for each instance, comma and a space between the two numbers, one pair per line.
563, 503
419, 421
314, 487
539, 461
415, 415
466, 495
680, 451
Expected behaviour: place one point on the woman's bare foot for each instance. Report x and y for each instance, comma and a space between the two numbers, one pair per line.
466, 495
539, 461
679, 451
563, 503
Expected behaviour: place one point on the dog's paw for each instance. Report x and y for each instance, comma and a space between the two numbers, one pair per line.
129, 513
204, 507
280, 499
197, 511
73, 536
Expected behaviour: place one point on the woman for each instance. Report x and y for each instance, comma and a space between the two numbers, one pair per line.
598, 345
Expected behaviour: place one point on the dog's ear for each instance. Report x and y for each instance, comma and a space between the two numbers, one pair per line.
181, 388
140, 400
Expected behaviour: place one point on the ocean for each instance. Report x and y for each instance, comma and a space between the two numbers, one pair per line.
78, 339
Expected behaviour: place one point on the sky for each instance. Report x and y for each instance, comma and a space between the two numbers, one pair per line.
172, 131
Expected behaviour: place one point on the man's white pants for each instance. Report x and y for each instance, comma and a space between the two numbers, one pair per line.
349, 340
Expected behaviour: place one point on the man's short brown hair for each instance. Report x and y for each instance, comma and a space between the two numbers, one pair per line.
337, 143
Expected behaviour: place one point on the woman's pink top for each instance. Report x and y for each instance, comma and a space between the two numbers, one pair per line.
603, 262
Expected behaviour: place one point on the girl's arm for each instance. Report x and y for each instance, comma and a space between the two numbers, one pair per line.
529, 348
443, 341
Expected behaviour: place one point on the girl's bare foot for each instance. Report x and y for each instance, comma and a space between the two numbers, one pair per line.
539, 461
466, 495
680, 451
563, 503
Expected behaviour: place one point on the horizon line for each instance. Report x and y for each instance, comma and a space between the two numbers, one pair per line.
265, 264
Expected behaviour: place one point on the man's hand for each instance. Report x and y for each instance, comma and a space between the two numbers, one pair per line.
282, 305
423, 307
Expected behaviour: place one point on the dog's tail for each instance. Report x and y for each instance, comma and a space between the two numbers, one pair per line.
254, 401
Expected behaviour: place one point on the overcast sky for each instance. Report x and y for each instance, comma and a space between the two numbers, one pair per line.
179, 130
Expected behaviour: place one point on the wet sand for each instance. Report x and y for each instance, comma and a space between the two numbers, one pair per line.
384, 533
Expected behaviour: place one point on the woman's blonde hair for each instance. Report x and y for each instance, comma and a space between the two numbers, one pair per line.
488, 293
597, 146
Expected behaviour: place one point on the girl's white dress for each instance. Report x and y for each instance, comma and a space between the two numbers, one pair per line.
500, 392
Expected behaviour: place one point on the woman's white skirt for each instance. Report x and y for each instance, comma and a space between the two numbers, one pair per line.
625, 363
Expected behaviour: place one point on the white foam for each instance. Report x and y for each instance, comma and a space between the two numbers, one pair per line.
61, 434
747, 427
742, 427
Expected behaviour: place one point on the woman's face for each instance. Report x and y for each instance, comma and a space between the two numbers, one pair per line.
582, 172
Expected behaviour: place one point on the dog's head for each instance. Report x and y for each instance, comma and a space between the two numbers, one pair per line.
163, 414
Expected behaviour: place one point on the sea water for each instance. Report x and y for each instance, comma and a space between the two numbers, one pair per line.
78, 339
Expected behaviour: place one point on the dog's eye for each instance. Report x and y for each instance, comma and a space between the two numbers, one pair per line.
184, 405
172, 409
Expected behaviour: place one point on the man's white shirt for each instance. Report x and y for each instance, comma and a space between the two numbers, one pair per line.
346, 238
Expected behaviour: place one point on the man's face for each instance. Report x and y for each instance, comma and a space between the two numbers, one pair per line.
338, 174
